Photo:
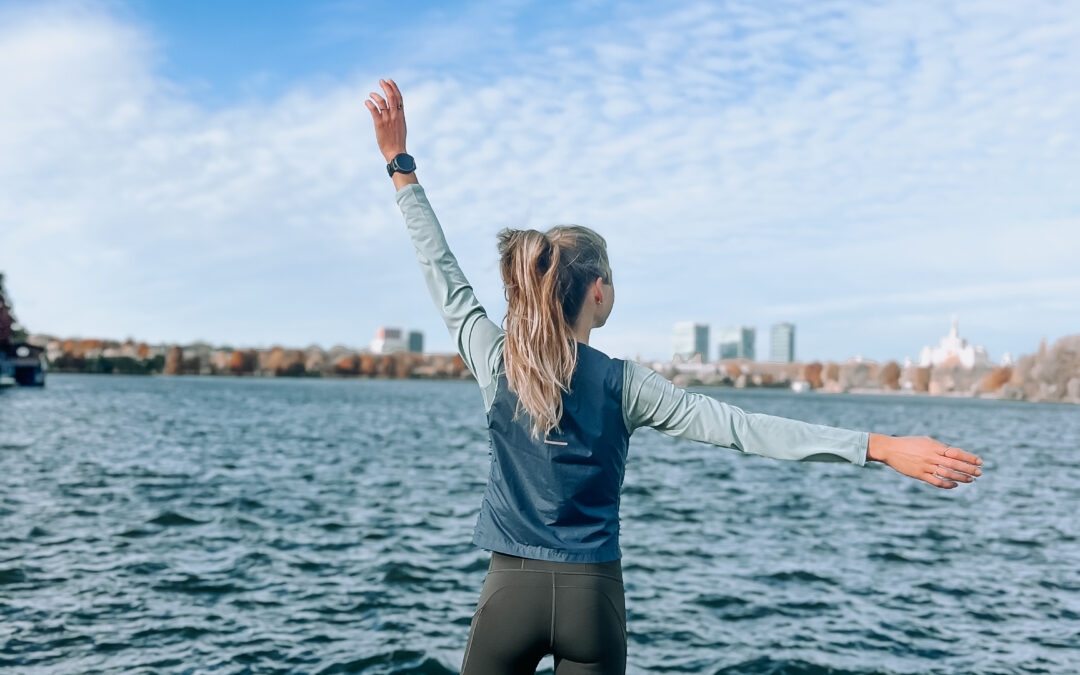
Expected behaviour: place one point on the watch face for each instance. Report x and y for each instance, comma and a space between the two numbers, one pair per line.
405, 163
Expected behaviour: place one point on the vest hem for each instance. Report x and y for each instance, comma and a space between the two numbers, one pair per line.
550, 554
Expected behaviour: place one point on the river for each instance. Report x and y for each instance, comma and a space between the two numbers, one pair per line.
229, 525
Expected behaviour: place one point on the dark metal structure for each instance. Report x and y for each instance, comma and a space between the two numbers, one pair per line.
20, 362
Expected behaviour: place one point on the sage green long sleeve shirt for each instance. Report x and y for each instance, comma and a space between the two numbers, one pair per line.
649, 400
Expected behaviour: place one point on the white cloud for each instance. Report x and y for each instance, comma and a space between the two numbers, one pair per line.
747, 164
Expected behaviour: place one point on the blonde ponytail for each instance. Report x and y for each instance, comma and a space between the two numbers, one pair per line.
545, 276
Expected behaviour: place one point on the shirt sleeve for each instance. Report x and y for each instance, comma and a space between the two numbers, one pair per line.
649, 400
477, 338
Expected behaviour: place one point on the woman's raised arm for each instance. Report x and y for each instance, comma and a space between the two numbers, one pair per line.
478, 339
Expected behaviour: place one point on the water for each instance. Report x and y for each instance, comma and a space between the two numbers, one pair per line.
172, 525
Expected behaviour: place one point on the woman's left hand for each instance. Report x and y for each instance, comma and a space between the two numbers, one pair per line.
389, 117
925, 459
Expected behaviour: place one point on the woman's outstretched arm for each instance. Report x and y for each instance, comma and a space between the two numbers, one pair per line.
649, 400
477, 339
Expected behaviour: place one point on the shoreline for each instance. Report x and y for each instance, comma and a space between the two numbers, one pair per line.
908, 394
1051, 375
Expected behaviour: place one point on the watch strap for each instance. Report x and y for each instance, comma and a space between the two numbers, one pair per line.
394, 165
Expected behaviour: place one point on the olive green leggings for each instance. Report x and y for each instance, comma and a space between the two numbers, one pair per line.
530, 608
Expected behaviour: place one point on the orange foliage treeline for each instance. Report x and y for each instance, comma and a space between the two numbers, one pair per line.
281, 362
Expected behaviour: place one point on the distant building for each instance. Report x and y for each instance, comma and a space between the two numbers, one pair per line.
737, 342
388, 340
782, 343
954, 349
689, 339
416, 341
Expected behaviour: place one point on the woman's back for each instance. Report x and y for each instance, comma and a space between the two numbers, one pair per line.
557, 498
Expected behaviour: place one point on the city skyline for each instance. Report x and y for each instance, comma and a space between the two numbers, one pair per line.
862, 171
688, 339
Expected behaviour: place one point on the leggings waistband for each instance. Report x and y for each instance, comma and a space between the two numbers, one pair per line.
503, 561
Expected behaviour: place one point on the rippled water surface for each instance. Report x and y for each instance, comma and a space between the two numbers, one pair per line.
245, 525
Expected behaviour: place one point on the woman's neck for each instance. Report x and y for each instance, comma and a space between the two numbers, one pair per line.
581, 333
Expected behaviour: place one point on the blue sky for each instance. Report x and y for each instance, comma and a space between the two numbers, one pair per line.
206, 170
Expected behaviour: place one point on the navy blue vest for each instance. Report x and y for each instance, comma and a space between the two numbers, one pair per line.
558, 499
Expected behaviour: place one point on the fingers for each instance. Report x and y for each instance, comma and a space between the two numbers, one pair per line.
951, 474
957, 453
954, 465
393, 99
391, 104
380, 102
393, 96
373, 109
959, 465
397, 92
938, 482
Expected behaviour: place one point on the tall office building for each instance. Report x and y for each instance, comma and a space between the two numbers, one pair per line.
416, 341
783, 343
689, 338
387, 340
737, 342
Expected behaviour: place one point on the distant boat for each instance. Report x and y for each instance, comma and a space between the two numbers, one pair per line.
22, 363
7, 371
801, 386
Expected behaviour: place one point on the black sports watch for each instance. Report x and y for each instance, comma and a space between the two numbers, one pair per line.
402, 163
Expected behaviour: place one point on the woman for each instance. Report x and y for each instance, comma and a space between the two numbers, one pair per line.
560, 415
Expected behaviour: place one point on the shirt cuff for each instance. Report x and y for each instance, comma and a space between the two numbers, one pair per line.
406, 190
864, 446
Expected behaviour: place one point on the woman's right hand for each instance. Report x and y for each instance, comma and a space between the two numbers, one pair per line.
389, 117
924, 458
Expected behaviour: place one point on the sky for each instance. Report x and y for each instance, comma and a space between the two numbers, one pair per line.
207, 171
